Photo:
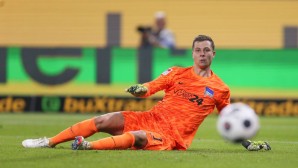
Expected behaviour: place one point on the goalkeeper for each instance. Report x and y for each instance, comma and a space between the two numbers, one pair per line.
191, 94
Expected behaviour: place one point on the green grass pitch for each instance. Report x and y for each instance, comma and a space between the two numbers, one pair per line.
207, 150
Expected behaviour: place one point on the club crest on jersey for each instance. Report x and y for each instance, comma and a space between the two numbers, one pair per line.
167, 71
208, 92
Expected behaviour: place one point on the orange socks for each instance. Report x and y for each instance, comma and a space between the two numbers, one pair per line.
123, 141
85, 128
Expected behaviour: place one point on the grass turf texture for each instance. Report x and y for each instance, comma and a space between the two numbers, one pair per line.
207, 150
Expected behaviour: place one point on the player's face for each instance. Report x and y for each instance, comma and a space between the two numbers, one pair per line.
203, 54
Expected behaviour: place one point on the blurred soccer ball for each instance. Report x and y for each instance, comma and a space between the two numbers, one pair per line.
237, 122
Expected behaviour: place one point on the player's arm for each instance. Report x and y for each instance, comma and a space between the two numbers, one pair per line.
223, 101
149, 88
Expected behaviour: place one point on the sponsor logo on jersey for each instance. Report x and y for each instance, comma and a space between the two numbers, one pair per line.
190, 96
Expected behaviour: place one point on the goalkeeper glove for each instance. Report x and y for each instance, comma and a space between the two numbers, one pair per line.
137, 90
256, 145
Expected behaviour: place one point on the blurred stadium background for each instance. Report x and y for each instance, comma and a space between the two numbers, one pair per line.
78, 56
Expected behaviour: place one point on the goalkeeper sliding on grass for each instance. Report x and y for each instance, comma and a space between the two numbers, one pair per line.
191, 94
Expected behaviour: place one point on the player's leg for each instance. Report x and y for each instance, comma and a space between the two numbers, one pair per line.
110, 123
137, 139
156, 141
134, 139
135, 136
130, 124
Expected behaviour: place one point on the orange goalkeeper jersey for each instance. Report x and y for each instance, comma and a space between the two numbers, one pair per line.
188, 99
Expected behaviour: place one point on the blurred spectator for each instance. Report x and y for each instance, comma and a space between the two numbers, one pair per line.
157, 36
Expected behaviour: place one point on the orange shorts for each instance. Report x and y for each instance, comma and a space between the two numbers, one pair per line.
157, 137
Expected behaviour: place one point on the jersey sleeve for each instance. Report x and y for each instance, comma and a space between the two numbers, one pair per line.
223, 101
163, 82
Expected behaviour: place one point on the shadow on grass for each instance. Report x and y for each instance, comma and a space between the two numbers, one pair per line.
212, 151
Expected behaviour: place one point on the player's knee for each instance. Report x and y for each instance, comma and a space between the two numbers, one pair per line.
140, 138
99, 121
111, 123
103, 121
